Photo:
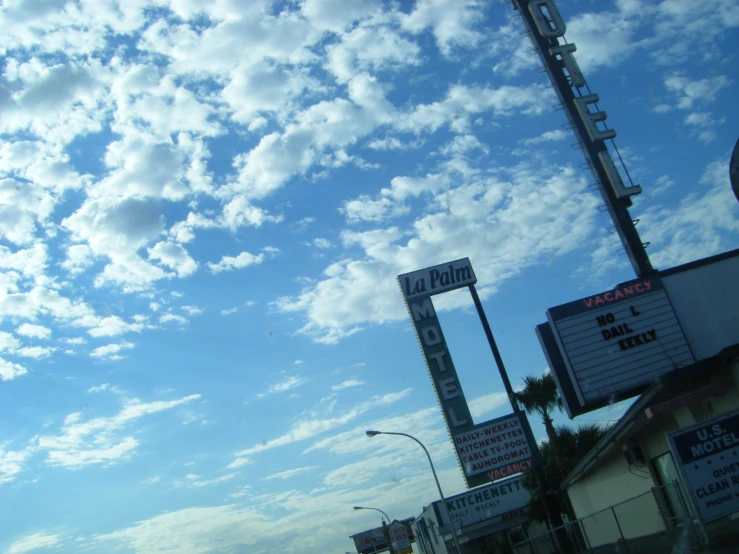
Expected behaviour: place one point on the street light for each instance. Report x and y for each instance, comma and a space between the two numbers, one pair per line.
390, 548
376, 509
433, 470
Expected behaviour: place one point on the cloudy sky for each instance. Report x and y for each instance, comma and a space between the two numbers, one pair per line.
203, 211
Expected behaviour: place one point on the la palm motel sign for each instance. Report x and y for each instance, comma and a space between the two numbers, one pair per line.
487, 451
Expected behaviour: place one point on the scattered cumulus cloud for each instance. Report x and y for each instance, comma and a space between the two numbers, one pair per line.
37, 541
349, 383
33, 331
287, 474
111, 351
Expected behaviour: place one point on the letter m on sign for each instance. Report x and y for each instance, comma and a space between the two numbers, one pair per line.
422, 310
463, 274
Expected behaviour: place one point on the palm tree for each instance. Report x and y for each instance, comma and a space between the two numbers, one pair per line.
540, 395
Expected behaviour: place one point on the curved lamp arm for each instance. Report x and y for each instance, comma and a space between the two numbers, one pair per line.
433, 470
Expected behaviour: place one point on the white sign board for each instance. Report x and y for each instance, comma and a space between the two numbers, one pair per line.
437, 279
615, 342
498, 448
399, 536
708, 455
496, 501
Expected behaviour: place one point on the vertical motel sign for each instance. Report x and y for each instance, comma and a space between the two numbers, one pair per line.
418, 287
546, 29
487, 451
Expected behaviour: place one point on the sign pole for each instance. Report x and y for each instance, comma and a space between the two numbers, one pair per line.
494, 348
553, 515
388, 537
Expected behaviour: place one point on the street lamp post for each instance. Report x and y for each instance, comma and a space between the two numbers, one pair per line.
389, 545
375, 509
433, 470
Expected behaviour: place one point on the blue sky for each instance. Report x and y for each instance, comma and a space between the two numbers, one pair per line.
203, 211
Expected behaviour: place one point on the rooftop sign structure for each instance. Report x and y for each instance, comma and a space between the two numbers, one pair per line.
546, 29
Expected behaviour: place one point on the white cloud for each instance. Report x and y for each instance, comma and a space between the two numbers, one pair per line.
336, 15
97, 440
245, 259
549, 136
111, 351
229, 311
194, 482
173, 318
483, 405
23, 209
192, 310
33, 331
174, 257
104, 387
691, 92
289, 383
452, 22
118, 229
462, 101
10, 370
322, 243
263, 88
112, 326
8, 342
240, 492
586, 32
35, 541
11, 461
29, 261
308, 428
289, 473
239, 462
36, 352
502, 224
699, 226
370, 47
347, 384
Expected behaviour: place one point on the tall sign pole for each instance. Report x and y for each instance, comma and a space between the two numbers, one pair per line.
552, 512
545, 28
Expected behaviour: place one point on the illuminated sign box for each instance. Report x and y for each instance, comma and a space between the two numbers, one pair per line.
616, 342
497, 448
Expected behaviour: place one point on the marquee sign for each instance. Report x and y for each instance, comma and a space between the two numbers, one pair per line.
497, 448
708, 456
504, 447
615, 343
